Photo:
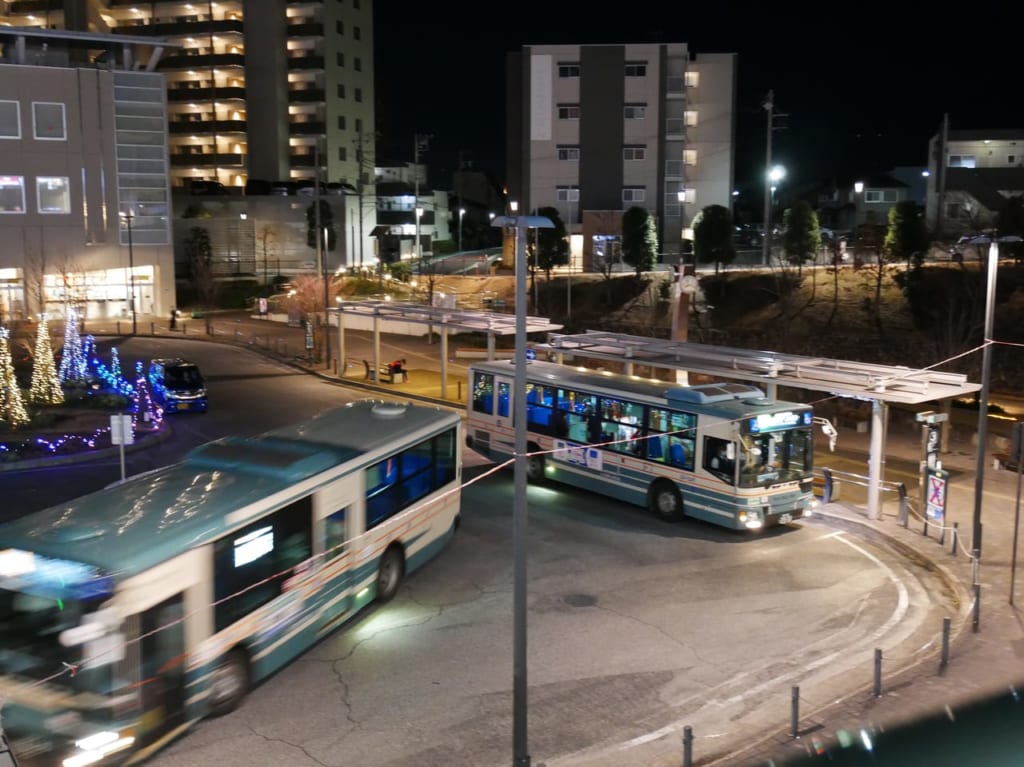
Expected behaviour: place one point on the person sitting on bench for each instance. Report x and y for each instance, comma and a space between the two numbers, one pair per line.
397, 368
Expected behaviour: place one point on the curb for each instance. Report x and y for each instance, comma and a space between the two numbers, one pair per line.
86, 455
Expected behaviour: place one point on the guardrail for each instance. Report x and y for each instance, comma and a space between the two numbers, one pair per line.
827, 484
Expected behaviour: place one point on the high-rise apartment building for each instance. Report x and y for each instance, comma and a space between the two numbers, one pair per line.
258, 89
594, 130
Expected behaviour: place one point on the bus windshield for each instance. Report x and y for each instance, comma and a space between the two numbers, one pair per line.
782, 456
30, 646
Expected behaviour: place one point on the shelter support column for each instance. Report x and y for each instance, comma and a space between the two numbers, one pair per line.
444, 359
341, 343
875, 462
771, 390
376, 342
490, 346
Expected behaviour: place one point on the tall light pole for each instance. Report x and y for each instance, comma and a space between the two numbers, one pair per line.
519, 226
419, 246
986, 374
462, 212
128, 216
774, 175
858, 189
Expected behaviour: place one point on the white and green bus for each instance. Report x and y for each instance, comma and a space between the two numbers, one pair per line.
718, 452
131, 613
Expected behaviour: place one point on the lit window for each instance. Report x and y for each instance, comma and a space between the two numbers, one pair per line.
687, 195
690, 117
48, 121
962, 161
10, 119
692, 79
12, 194
53, 194
690, 156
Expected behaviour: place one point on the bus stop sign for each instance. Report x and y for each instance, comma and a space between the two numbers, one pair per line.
936, 487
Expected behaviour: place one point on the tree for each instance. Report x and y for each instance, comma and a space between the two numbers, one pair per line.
307, 298
200, 261
639, 239
326, 222
552, 244
45, 389
72, 358
12, 409
802, 236
907, 237
712, 236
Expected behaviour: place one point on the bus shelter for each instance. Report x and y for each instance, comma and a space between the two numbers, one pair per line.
878, 384
414, 319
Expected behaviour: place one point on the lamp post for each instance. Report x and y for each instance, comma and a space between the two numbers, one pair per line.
462, 212
773, 177
858, 189
128, 216
986, 374
519, 226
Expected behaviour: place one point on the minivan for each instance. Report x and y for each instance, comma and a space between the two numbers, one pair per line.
177, 385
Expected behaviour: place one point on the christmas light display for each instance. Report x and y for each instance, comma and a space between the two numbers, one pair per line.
72, 357
115, 364
145, 413
45, 389
12, 409
110, 377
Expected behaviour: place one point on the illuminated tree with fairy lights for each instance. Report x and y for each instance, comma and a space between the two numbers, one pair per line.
12, 409
72, 357
45, 389
143, 408
115, 364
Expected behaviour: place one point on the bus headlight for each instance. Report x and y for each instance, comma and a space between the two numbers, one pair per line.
97, 747
753, 519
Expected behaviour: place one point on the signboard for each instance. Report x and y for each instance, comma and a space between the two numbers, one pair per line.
577, 455
531, 354
121, 432
932, 441
936, 486
264, 307
309, 335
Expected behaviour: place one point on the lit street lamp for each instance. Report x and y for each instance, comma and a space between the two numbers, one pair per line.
128, 216
772, 178
419, 246
462, 212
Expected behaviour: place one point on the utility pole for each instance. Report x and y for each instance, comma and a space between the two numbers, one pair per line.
359, 196
420, 142
769, 106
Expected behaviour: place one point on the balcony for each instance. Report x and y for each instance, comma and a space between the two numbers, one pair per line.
306, 62
208, 126
223, 93
314, 128
305, 95
204, 60
207, 160
179, 28
32, 6
301, 161
307, 29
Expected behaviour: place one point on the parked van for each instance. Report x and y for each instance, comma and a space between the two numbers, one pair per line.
177, 385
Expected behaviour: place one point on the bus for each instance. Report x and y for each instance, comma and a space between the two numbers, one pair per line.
129, 614
718, 452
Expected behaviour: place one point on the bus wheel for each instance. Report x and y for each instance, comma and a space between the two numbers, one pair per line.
389, 575
534, 466
230, 683
664, 501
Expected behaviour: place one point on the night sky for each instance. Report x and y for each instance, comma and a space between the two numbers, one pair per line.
865, 84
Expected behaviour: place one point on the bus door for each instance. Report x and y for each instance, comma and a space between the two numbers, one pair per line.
336, 527
490, 411
162, 655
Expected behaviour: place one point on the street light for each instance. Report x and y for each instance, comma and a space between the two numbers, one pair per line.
462, 212
128, 216
419, 245
775, 174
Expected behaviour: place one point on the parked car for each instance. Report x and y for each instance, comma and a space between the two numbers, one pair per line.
177, 385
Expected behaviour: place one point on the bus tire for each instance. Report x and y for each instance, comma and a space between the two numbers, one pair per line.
389, 573
534, 466
230, 683
665, 501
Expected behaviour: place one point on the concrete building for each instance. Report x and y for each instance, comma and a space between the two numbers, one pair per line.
596, 129
397, 206
84, 186
971, 174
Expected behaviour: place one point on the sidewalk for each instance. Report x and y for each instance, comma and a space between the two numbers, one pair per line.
982, 662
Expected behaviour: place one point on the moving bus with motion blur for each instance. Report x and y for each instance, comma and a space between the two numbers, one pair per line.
131, 613
718, 452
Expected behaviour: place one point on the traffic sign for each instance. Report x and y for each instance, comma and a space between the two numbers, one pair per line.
531, 354
936, 487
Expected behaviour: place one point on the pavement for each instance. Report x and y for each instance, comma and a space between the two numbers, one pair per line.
986, 650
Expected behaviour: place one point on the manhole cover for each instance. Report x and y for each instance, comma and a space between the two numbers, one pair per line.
580, 600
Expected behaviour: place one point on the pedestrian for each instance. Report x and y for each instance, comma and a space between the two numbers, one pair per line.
174, 318
397, 368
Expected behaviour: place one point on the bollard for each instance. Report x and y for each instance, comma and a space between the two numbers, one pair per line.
956, 534
976, 622
183, 328
459, 390
119, 327
826, 492
904, 505
335, 364
152, 328
942, 535
878, 672
946, 622
687, 746
924, 531
794, 718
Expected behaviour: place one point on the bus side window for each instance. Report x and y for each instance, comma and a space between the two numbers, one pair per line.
503, 400
334, 534
483, 393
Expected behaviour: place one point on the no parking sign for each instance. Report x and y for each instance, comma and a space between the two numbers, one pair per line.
936, 486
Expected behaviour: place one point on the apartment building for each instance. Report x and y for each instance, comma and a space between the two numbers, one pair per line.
84, 187
971, 174
596, 129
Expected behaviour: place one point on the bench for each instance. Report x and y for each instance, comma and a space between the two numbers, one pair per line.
382, 374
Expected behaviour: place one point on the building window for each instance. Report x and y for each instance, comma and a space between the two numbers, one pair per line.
568, 111
692, 79
48, 118
342, 154
53, 194
633, 194
635, 111
359, 125
690, 156
359, 95
634, 152
1011, 159
673, 168
357, 33
340, 59
358, 64
339, 27
687, 194
690, 118
961, 161
12, 194
355, 4
568, 193
636, 69
341, 90
569, 153
569, 70
880, 195
10, 119
341, 122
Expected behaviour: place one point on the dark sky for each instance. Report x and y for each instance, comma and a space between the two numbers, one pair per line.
865, 84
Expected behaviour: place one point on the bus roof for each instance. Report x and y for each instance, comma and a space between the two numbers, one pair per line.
726, 400
132, 526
